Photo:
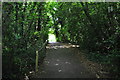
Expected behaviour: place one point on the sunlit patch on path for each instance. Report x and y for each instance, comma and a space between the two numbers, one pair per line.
56, 45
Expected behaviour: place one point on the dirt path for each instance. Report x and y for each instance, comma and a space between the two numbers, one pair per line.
62, 62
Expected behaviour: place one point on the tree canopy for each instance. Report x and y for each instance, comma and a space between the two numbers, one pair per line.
26, 25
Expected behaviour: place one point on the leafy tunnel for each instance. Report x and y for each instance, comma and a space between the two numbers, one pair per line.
26, 26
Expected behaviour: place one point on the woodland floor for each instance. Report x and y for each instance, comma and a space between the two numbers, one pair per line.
66, 61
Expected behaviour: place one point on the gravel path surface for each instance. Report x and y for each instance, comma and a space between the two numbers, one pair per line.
62, 62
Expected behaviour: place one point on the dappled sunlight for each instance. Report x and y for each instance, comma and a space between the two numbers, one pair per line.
59, 70
67, 62
64, 45
76, 34
56, 64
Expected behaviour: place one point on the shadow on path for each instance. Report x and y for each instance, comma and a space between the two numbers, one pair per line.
62, 62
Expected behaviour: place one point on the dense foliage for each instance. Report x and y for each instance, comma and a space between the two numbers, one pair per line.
94, 26
24, 32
